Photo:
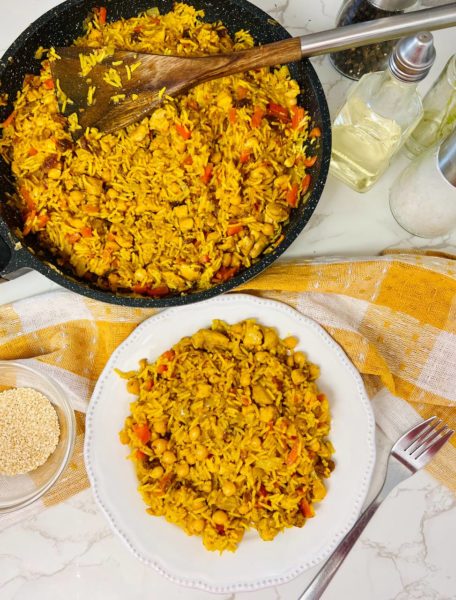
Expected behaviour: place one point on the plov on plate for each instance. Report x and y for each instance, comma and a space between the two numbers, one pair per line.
256, 563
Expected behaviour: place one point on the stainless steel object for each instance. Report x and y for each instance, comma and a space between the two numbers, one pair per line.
410, 453
379, 30
447, 158
413, 57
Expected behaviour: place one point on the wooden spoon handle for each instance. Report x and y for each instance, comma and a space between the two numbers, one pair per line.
276, 53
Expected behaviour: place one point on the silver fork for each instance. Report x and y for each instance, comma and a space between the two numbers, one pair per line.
410, 453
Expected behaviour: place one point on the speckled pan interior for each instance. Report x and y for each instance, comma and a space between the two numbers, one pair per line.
59, 27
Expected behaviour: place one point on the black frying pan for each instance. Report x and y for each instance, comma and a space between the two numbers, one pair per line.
59, 27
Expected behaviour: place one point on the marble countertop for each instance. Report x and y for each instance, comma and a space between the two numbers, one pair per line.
405, 553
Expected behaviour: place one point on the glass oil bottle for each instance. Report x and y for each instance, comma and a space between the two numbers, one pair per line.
380, 113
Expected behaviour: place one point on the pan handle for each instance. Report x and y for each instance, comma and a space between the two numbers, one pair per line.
12, 256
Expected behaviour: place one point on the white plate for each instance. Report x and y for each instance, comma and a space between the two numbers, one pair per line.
256, 563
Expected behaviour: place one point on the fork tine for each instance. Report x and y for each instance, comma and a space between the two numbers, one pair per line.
409, 437
424, 457
428, 444
424, 436
427, 441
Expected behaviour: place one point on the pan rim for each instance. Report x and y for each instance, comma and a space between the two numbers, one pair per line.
26, 258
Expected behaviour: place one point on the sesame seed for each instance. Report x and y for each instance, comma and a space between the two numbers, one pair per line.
29, 430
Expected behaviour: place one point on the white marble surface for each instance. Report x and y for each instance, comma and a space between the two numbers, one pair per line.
408, 550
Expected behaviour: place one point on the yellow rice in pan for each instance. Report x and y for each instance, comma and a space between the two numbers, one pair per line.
228, 432
183, 199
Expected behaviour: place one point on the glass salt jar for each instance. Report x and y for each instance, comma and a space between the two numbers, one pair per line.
423, 197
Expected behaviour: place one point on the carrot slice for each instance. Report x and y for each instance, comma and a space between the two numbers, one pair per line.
245, 156
315, 133
207, 175
293, 454
306, 509
298, 114
305, 184
49, 84
102, 14
309, 162
232, 115
9, 119
257, 117
86, 232
292, 195
233, 229
142, 432
183, 131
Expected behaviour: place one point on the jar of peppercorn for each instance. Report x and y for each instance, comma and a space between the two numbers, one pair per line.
356, 62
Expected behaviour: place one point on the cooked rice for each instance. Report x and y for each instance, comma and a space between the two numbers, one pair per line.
183, 199
229, 432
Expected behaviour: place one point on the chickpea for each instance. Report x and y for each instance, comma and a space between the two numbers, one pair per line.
198, 525
255, 443
191, 459
299, 359
133, 386
267, 413
244, 379
290, 342
201, 452
160, 426
298, 376
268, 229
194, 433
77, 196
168, 457
314, 445
244, 509
54, 173
157, 472
159, 446
182, 469
229, 489
206, 487
220, 517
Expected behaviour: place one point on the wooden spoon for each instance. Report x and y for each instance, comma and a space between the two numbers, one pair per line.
173, 75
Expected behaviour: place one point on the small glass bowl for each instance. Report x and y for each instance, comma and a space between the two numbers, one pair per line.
18, 491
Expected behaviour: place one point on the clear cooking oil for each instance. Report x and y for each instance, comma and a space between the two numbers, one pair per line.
363, 143
380, 113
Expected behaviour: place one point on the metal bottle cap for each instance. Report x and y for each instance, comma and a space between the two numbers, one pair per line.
447, 158
413, 57
392, 5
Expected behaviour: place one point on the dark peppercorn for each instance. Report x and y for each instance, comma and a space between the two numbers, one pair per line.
356, 62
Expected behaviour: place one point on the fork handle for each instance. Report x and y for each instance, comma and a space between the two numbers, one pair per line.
394, 474
322, 579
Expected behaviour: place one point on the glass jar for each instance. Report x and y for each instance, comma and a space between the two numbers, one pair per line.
439, 115
356, 62
423, 197
381, 111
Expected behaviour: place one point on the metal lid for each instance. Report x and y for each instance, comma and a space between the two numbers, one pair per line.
413, 57
447, 158
392, 5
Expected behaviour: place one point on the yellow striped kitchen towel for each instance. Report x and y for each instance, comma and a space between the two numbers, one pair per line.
394, 315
